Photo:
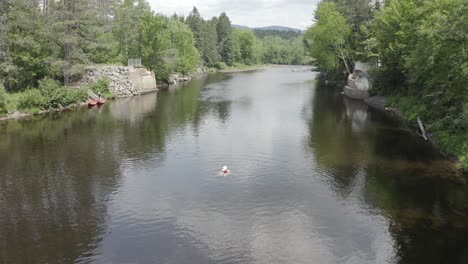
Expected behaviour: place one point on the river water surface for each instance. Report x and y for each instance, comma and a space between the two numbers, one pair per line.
315, 178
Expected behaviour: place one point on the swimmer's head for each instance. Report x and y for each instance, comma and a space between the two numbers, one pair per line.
224, 168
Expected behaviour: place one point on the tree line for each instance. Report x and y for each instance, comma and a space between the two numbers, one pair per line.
220, 45
58, 39
419, 52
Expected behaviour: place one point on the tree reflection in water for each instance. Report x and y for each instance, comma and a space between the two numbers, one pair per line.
58, 172
404, 177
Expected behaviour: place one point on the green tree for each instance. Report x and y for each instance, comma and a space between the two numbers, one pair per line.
3, 100
127, 31
195, 22
209, 40
5, 62
105, 47
225, 44
205, 35
182, 44
262, 33
30, 49
357, 13
328, 39
393, 30
246, 47
154, 45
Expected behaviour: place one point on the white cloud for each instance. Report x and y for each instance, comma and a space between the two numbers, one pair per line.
252, 13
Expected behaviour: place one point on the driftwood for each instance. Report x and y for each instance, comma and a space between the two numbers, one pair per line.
421, 127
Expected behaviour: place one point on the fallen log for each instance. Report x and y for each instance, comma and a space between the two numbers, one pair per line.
421, 127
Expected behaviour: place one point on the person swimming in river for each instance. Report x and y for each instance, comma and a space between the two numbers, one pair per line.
225, 170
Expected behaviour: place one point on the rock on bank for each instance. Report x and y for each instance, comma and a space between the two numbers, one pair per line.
125, 80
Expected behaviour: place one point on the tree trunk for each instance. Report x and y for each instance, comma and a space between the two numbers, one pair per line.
340, 49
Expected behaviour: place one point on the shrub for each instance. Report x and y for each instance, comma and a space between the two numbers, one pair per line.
102, 85
3, 100
56, 95
31, 100
52, 92
220, 65
73, 96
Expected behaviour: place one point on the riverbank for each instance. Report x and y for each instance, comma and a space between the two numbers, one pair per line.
50, 96
19, 115
244, 68
111, 81
383, 103
176, 79
450, 143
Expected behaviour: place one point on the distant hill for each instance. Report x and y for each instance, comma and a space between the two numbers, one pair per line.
238, 26
282, 32
280, 28
275, 28
262, 33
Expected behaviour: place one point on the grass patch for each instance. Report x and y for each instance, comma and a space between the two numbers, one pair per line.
102, 85
8, 102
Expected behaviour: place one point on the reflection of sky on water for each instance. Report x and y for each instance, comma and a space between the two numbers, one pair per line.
273, 208
315, 178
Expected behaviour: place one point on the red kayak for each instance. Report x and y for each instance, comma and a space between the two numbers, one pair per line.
101, 101
94, 102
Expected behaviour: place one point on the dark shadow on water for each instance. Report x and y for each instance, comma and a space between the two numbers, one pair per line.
406, 179
54, 184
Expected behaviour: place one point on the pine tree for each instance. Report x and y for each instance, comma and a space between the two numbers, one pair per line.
127, 28
27, 43
225, 44
205, 35
4, 57
209, 40
195, 22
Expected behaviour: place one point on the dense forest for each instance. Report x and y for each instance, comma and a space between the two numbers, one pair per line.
46, 45
419, 52
284, 34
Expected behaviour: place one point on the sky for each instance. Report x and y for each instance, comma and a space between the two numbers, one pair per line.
252, 13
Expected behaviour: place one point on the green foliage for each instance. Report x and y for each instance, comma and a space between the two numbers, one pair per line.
3, 100
205, 36
154, 44
246, 47
50, 94
210, 54
127, 31
55, 95
327, 40
225, 41
283, 34
184, 54
31, 100
421, 49
207, 40
220, 65
26, 34
283, 51
101, 85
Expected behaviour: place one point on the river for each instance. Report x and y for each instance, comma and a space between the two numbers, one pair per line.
315, 178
